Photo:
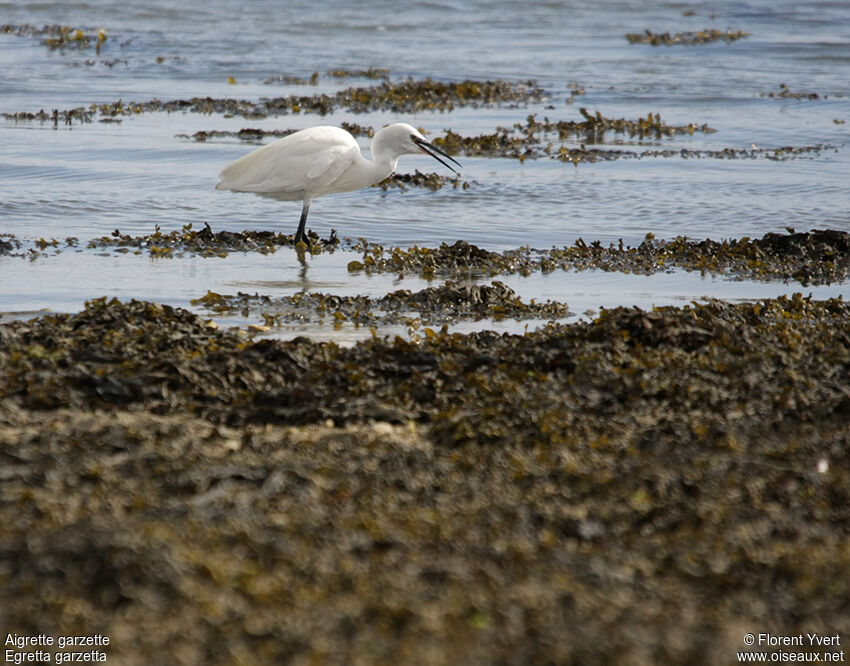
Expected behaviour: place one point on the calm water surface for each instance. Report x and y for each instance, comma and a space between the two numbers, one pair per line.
86, 180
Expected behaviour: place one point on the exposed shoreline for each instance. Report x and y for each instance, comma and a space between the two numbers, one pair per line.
574, 494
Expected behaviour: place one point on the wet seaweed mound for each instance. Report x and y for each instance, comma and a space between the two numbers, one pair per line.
206, 242
145, 356
815, 257
433, 306
627, 490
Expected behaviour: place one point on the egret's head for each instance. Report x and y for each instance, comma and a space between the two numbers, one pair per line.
402, 138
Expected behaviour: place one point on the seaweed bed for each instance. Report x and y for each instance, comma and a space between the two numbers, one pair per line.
434, 306
407, 96
59, 36
534, 139
816, 257
819, 256
686, 38
207, 243
810, 258
628, 490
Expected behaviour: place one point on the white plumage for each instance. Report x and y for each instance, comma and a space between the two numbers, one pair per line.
322, 160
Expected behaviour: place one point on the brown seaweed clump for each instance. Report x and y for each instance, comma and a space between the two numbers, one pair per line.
413, 95
406, 96
810, 258
253, 134
532, 138
815, 257
482, 498
432, 306
431, 181
339, 73
207, 243
786, 93
371, 73
67, 116
59, 36
686, 38
12, 246
288, 79
169, 359
9, 244
537, 139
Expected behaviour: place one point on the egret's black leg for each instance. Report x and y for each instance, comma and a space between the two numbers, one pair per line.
301, 235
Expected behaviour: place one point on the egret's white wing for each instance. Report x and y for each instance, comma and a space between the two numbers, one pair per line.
304, 163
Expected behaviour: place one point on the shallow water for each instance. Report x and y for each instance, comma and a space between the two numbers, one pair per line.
88, 179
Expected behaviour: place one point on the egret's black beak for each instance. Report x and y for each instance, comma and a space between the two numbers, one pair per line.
433, 151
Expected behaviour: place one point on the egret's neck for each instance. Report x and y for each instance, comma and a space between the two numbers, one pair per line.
383, 163
370, 172
384, 155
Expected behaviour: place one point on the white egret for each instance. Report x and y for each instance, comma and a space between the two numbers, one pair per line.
322, 160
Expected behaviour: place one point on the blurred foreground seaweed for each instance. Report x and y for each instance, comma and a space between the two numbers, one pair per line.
475, 498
